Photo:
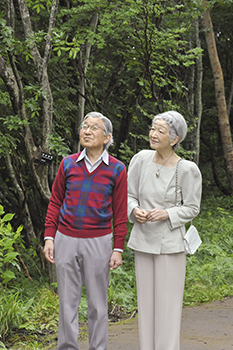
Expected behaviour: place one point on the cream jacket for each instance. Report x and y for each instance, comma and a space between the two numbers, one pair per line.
147, 191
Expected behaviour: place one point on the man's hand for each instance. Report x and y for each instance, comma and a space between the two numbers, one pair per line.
49, 250
115, 261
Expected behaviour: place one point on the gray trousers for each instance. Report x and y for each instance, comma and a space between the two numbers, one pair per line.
160, 285
82, 261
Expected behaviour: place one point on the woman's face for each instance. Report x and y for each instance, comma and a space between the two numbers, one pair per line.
159, 135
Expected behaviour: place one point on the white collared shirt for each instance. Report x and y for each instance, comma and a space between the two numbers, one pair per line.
91, 167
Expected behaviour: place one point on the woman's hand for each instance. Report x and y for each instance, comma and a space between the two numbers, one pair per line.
157, 214
140, 215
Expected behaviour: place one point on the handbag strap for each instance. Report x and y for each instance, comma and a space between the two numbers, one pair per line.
176, 190
176, 174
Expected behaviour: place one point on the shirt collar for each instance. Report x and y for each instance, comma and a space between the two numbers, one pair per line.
104, 156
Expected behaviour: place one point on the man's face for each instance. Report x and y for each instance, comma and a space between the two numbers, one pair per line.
93, 140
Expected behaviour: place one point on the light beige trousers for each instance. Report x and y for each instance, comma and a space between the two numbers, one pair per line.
160, 285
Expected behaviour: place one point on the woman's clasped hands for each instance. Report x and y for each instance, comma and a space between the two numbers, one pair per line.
152, 215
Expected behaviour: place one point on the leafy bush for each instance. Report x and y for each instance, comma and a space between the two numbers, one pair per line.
209, 272
12, 312
122, 295
8, 256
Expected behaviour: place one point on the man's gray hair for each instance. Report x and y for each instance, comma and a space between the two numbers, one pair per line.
107, 126
177, 125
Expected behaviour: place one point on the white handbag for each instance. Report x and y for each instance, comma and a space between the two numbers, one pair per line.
192, 240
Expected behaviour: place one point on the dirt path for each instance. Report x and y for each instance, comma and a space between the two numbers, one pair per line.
204, 327
208, 326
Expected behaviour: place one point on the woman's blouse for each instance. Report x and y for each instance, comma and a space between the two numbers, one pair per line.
148, 191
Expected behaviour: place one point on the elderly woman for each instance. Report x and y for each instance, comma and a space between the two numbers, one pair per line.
159, 223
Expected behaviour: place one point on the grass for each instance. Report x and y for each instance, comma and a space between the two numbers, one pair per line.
29, 310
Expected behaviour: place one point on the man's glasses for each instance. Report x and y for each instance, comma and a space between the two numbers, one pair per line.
85, 127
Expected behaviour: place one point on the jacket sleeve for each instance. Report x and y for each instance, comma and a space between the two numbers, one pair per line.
133, 186
189, 195
56, 201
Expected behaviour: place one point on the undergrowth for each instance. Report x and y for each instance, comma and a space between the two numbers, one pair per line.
209, 272
29, 309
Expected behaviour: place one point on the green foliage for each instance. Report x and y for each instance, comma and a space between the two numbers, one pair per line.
39, 5
12, 312
2, 346
122, 291
6, 143
183, 153
6, 35
13, 122
32, 316
209, 272
58, 146
126, 153
44, 312
62, 44
8, 256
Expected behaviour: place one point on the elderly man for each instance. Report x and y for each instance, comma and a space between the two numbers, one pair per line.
89, 197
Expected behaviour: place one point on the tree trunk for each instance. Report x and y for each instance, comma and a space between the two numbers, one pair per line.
83, 65
198, 95
219, 93
130, 105
41, 66
14, 84
26, 218
231, 96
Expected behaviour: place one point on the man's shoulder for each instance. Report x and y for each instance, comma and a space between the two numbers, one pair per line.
71, 157
70, 160
115, 161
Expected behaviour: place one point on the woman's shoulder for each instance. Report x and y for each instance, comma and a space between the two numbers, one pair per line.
141, 159
144, 154
188, 166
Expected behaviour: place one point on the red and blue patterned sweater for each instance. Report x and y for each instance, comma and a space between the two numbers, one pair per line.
83, 204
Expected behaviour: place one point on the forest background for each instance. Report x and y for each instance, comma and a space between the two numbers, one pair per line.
129, 60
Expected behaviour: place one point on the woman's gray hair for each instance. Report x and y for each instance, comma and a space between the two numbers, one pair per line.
177, 125
107, 126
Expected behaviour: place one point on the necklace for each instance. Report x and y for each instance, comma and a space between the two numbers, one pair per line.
158, 171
